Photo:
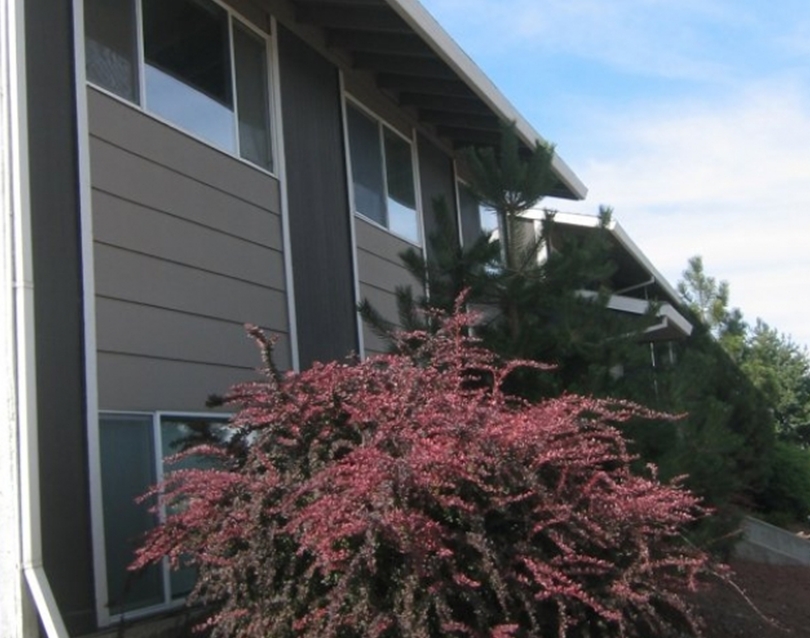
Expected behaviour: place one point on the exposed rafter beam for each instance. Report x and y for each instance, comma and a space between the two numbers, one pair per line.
420, 67
382, 43
356, 17
344, 3
461, 120
428, 86
469, 137
445, 103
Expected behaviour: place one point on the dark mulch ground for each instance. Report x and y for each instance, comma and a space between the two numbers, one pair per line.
781, 593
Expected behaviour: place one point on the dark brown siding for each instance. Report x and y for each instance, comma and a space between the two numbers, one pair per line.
437, 181
66, 541
318, 202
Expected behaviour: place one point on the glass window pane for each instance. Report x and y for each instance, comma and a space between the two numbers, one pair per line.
110, 46
402, 216
127, 471
367, 175
188, 67
252, 98
489, 220
470, 215
177, 435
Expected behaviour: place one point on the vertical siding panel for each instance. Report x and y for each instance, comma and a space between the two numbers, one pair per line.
55, 217
318, 202
470, 216
437, 181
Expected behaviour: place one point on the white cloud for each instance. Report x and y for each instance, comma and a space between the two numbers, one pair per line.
665, 38
724, 174
729, 181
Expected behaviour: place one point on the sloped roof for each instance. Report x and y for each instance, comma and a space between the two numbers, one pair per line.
415, 62
636, 282
635, 276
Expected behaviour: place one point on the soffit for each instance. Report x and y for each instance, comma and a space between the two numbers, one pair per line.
415, 62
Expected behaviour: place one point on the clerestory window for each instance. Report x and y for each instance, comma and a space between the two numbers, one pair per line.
192, 63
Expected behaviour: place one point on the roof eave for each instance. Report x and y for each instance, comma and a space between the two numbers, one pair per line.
624, 240
418, 18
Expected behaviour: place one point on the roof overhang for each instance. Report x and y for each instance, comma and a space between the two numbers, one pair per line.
670, 325
635, 274
416, 63
638, 284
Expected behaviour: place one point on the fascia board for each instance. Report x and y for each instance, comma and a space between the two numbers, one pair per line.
451, 53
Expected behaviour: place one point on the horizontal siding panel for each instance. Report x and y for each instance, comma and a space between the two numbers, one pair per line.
381, 273
379, 242
133, 178
129, 276
134, 227
374, 345
127, 127
128, 328
386, 304
383, 301
127, 382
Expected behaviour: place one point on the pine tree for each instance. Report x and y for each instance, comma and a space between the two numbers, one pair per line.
530, 308
535, 310
451, 270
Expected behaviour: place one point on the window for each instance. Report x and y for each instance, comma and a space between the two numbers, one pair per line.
382, 175
475, 218
190, 62
134, 447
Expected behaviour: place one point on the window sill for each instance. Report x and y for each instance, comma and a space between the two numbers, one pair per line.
388, 231
173, 126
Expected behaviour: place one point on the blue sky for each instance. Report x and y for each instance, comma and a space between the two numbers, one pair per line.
691, 118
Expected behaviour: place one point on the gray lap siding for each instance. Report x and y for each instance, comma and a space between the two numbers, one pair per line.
187, 248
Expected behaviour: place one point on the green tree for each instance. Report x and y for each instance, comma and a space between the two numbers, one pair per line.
780, 369
771, 399
535, 310
451, 270
510, 182
704, 295
532, 309
708, 299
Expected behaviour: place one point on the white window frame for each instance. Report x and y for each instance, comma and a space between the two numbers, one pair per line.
382, 126
100, 549
141, 104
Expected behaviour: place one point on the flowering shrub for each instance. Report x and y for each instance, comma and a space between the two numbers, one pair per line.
408, 496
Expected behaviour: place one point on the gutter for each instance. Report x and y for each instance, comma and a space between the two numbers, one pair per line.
22, 339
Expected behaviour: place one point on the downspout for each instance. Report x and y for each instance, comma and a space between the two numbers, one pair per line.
23, 338
17, 613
